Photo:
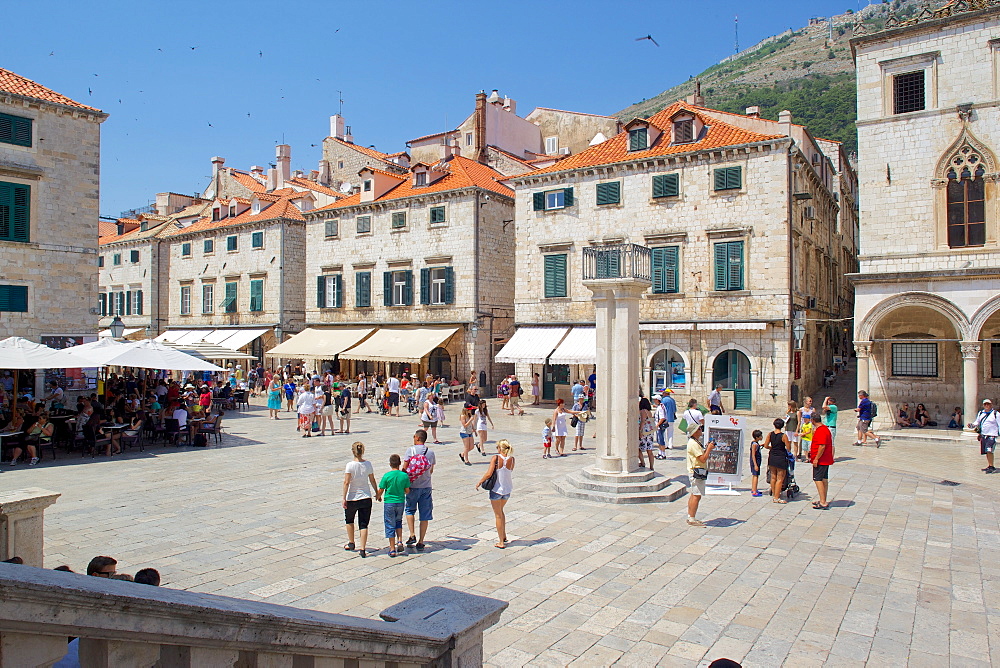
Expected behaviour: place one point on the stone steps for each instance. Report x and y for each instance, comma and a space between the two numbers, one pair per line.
939, 436
640, 487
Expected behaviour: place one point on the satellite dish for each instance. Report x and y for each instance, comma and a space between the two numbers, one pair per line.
346, 188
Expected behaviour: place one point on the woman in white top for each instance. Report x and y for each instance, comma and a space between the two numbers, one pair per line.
306, 404
559, 429
468, 421
361, 392
358, 496
482, 416
692, 415
534, 390
503, 464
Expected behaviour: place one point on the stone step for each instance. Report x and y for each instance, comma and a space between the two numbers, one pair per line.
647, 482
954, 436
673, 491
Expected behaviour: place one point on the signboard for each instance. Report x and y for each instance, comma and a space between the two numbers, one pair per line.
71, 380
725, 463
678, 378
798, 364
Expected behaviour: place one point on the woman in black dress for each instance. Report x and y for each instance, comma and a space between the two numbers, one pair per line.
777, 459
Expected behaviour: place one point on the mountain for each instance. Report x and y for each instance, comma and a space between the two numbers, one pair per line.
808, 71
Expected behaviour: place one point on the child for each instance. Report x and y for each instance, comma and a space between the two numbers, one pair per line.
547, 439
806, 436
956, 419
393, 488
755, 460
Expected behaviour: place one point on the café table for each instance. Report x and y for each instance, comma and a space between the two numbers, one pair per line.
115, 430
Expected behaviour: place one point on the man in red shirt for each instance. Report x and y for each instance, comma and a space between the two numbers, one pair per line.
821, 456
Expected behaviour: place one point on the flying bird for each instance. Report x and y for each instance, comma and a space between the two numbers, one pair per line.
248, 114
90, 92
260, 53
95, 75
159, 49
193, 48
210, 125
52, 53
649, 37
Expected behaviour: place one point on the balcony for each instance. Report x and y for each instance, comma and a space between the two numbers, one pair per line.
618, 261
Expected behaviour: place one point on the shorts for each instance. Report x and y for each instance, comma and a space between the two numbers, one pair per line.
864, 426
392, 516
660, 434
429, 423
463, 435
697, 486
419, 499
362, 508
328, 410
755, 464
496, 497
821, 472
394, 398
546, 444
987, 444
793, 437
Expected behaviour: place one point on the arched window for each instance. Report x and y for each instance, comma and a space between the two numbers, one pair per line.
966, 200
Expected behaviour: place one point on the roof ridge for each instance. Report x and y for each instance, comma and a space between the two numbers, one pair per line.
15, 84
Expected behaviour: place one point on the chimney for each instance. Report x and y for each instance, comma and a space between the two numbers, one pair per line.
257, 170
217, 163
283, 156
348, 137
509, 104
784, 116
324, 176
456, 147
697, 98
337, 126
479, 124
494, 97
753, 112
163, 204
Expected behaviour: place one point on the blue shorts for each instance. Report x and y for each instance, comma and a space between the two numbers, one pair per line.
392, 513
755, 463
660, 433
496, 497
420, 499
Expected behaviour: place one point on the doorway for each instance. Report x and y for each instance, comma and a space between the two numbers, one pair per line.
731, 369
552, 375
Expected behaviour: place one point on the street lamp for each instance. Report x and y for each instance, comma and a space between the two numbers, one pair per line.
799, 332
117, 328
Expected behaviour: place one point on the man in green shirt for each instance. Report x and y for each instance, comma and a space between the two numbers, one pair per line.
830, 416
393, 488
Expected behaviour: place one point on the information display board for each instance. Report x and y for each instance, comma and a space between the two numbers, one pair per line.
725, 463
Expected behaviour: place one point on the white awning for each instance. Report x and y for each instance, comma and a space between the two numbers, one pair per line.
325, 343
229, 337
579, 347
208, 351
128, 331
666, 327
399, 344
531, 345
732, 325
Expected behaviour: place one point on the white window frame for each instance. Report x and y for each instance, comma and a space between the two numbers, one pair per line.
399, 288
468, 139
330, 291
367, 185
185, 300
208, 297
552, 145
438, 279
557, 199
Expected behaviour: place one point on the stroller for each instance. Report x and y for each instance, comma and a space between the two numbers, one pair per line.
789, 486
383, 404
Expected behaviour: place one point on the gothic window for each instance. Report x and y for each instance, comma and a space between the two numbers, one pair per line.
966, 199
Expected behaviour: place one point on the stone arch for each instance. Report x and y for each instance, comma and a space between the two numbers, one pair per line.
982, 315
967, 147
928, 300
685, 357
710, 362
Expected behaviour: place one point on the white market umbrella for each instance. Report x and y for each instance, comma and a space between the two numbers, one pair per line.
94, 354
20, 353
150, 354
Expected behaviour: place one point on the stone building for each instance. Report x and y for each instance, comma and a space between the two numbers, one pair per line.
927, 305
343, 159
746, 238
50, 154
414, 271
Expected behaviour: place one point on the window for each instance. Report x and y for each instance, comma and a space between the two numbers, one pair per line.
232, 243
232, 211
14, 298
915, 359
638, 139
330, 291
340, 164
468, 139
609, 193
728, 178
331, 228
185, 300
553, 199
908, 92
666, 185
555, 275
665, 269
15, 130
216, 214
257, 240
229, 303
551, 145
437, 215
683, 131
208, 298
185, 250
437, 285
364, 224
119, 303
15, 212
116, 259
256, 294
102, 300
137, 302
729, 265
995, 360
967, 207
100, 260
367, 185
133, 256
397, 288
398, 219
421, 178
209, 246
363, 289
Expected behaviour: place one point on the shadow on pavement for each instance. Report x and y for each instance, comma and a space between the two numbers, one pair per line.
724, 522
841, 503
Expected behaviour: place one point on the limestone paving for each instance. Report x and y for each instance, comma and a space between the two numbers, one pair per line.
892, 574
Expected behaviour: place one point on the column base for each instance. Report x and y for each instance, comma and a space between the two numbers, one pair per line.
593, 484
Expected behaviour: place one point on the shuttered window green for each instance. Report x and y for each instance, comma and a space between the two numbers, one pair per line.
609, 193
449, 285
321, 292
15, 130
555, 275
567, 197
15, 212
256, 294
103, 301
729, 265
638, 139
14, 298
208, 247
387, 288
231, 243
229, 303
408, 290
728, 178
538, 200
609, 263
257, 239
425, 285
363, 289
665, 269
437, 215
137, 302
666, 185
398, 219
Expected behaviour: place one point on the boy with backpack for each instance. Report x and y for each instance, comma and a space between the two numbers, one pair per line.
418, 462
866, 410
392, 488
987, 425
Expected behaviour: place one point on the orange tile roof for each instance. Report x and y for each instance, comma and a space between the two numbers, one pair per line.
282, 208
133, 233
312, 185
375, 170
106, 228
463, 173
370, 152
247, 181
615, 150
18, 85
398, 154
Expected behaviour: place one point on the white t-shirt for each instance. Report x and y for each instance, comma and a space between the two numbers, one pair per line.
358, 488
694, 416
413, 451
394, 385
306, 403
181, 416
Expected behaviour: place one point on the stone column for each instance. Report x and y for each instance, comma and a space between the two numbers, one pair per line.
616, 305
864, 351
39, 390
21, 523
970, 378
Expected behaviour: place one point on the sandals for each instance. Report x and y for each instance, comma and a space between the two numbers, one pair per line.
818, 506
779, 501
501, 545
349, 547
392, 553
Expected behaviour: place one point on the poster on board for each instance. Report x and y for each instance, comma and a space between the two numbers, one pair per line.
725, 463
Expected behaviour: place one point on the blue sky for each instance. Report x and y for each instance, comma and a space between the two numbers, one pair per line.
266, 72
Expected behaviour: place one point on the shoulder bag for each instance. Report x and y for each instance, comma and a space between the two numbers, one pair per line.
491, 482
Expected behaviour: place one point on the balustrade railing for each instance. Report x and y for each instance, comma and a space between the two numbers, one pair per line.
617, 261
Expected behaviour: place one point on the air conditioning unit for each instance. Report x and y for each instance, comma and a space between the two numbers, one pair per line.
564, 150
809, 212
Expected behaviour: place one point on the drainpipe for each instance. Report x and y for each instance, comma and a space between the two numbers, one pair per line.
475, 257
281, 289
791, 267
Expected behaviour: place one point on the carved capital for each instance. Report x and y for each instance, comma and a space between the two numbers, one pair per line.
863, 348
970, 349
939, 183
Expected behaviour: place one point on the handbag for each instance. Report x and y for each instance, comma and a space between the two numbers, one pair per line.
699, 474
574, 421
491, 482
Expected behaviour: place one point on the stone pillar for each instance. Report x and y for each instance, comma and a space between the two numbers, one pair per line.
97, 653
970, 378
39, 390
25, 649
616, 306
864, 351
21, 523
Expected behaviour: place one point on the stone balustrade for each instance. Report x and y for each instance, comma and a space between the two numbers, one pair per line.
22, 515
127, 624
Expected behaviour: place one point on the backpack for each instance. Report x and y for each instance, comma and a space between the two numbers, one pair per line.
874, 410
417, 466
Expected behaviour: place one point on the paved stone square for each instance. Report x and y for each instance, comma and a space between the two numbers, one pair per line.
898, 571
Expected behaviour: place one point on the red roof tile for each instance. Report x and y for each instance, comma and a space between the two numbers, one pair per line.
370, 152
282, 208
18, 85
247, 181
312, 185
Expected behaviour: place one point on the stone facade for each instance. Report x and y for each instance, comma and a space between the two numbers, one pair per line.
570, 131
58, 261
926, 317
138, 280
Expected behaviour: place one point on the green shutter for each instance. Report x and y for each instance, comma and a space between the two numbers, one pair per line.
538, 200
734, 178
449, 285
721, 266
102, 299
665, 269
15, 205
257, 295
425, 286
555, 275
340, 291
567, 197
437, 214
138, 302
321, 291
666, 185
128, 302
609, 193
638, 139
257, 239
14, 298
230, 302
15, 130
720, 179
363, 289
735, 265
608, 263
387, 288
408, 289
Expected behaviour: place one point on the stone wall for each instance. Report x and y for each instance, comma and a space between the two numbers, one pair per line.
346, 161
575, 131
130, 276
